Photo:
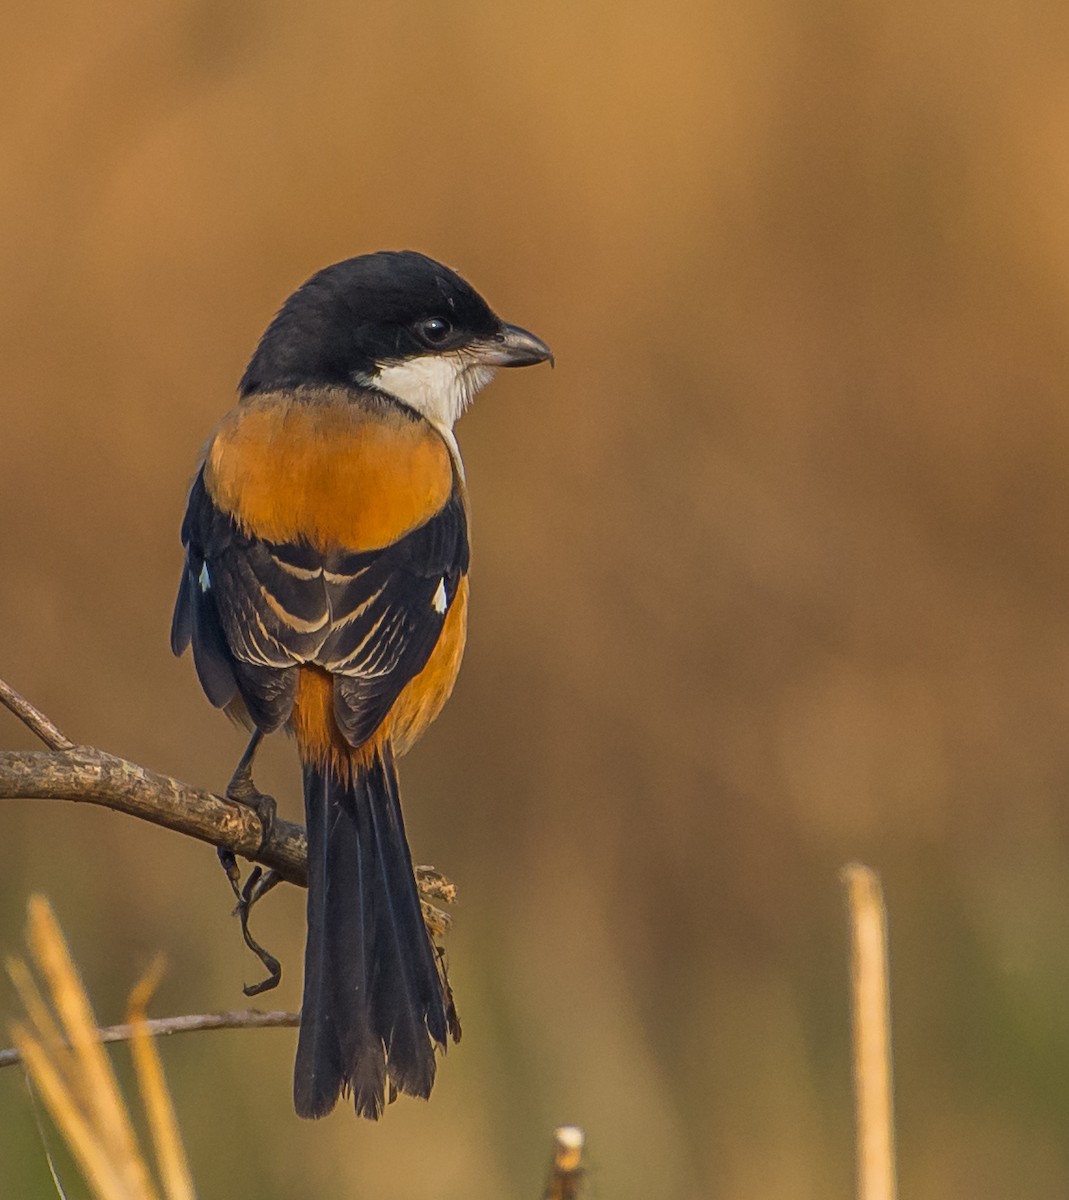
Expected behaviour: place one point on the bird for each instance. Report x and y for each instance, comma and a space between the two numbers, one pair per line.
325, 591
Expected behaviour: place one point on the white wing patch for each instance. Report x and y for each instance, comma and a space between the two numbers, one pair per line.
438, 600
205, 579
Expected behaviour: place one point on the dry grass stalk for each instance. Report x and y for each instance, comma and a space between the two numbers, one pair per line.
166, 1138
870, 998
567, 1167
65, 1060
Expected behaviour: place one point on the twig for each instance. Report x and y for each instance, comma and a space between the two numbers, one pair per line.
248, 1018
33, 718
871, 1034
86, 775
566, 1169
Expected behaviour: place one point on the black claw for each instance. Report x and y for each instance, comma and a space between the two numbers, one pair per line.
241, 790
265, 808
258, 884
228, 861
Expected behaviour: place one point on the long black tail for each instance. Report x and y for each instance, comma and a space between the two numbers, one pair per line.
374, 1004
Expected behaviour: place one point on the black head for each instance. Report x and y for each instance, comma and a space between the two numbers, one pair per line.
388, 307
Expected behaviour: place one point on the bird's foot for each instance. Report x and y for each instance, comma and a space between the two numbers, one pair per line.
258, 884
241, 790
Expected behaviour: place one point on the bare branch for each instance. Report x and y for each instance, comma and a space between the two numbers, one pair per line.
33, 718
86, 775
247, 1018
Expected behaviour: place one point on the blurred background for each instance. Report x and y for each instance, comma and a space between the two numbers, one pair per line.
771, 573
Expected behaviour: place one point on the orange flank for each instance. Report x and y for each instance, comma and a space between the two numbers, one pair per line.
312, 720
323, 468
422, 698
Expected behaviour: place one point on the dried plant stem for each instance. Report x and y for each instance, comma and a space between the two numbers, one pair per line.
247, 1018
870, 996
33, 718
86, 775
162, 1121
72, 1073
566, 1169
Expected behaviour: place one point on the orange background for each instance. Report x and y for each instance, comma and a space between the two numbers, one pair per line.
769, 574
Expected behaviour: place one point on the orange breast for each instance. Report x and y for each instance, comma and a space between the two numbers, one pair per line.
346, 474
331, 470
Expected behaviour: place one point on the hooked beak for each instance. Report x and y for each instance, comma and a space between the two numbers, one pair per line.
514, 347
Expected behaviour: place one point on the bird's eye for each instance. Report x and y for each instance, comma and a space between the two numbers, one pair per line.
435, 330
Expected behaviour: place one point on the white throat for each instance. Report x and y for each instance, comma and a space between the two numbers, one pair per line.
438, 386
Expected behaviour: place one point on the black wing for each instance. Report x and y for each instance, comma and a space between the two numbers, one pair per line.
256, 610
